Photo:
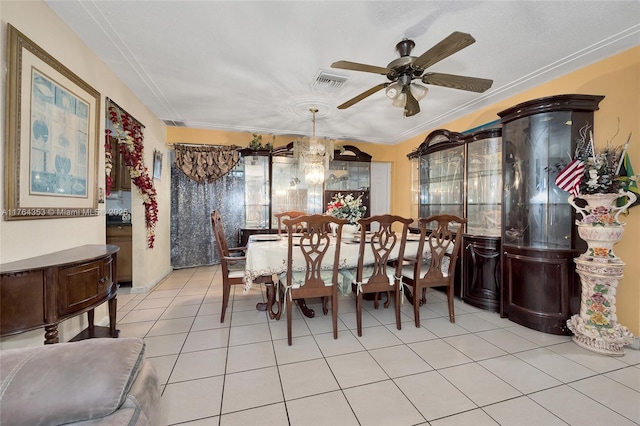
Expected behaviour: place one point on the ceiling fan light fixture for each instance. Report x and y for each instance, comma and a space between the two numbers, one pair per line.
418, 91
393, 90
400, 100
401, 71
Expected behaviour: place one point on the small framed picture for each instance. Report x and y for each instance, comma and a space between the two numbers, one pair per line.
157, 164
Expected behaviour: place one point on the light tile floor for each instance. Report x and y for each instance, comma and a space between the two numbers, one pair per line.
482, 370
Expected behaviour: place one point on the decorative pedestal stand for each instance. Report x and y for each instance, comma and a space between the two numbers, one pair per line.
596, 327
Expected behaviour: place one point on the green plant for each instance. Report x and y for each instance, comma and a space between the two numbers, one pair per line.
256, 142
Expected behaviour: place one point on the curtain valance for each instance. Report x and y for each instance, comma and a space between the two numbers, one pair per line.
206, 163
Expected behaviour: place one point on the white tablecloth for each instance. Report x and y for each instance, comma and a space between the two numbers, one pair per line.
266, 258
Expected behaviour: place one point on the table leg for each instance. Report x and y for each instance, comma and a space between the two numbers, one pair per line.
308, 312
51, 334
271, 301
90, 317
113, 308
409, 296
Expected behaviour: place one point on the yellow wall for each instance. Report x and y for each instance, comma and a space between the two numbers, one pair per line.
617, 78
20, 239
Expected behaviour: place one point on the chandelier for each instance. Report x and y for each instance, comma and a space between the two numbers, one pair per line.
313, 154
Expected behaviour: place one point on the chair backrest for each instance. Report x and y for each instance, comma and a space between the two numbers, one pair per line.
439, 242
288, 215
382, 243
313, 242
218, 234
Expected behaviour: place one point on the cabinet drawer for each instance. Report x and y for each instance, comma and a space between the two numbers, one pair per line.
116, 231
84, 285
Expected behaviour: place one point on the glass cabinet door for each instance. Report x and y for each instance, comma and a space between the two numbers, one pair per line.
441, 182
484, 186
349, 173
290, 191
257, 190
537, 214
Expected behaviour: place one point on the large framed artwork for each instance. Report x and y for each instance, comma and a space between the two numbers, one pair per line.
52, 146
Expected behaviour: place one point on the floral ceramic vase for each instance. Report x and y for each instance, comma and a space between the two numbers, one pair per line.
348, 230
599, 226
596, 327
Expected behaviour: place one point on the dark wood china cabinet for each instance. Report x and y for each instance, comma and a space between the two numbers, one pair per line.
540, 288
275, 183
460, 173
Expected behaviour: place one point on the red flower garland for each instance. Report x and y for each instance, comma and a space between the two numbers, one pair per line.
128, 133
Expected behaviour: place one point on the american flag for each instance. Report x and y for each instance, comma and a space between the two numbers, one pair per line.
570, 177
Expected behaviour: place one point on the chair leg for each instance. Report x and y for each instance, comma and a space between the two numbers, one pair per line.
334, 313
416, 306
325, 309
289, 318
424, 296
398, 299
226, 289
452, 317
359, 313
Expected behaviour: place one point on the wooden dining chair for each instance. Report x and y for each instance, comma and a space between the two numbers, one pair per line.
288, 215
314, 274
232, 261
434, 264
383, 275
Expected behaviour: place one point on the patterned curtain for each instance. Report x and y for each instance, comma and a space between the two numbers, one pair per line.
192, 242
206, 163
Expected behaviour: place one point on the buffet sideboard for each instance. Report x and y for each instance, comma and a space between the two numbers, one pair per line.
45, 290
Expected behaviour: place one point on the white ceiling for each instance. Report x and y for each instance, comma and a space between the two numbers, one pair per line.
248, 66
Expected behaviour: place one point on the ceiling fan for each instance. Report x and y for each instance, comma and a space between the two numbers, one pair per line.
403, 70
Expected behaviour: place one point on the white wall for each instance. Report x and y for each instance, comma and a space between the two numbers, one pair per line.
27, 238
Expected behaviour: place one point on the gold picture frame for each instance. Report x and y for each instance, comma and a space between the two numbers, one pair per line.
52, 136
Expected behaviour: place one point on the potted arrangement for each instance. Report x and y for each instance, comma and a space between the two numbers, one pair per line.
603, 179
347, 207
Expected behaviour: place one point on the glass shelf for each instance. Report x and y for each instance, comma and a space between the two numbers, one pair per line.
257, 190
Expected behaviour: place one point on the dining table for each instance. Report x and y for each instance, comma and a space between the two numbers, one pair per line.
266, 262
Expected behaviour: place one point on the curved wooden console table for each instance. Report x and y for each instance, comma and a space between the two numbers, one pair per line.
46, 290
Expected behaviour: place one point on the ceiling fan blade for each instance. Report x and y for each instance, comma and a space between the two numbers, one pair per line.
461, 82
363, 95
411, 106
453, 43
354, 66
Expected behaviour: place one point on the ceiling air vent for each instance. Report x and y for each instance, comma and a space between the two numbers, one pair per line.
329, 81
174, 123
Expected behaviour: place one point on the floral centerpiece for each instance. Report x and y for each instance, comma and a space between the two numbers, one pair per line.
601, 167
346, 207
602, 177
